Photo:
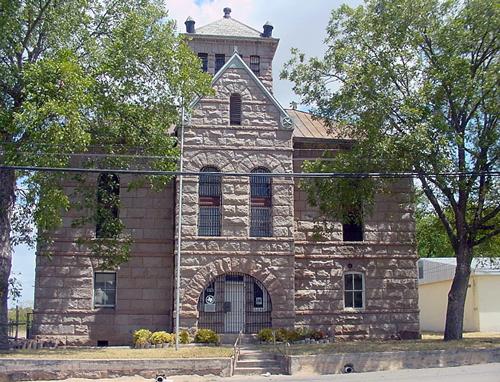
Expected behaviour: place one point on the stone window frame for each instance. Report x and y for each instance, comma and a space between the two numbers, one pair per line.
100, 306
362, 290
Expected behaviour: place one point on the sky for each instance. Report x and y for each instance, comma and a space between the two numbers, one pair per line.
298, 24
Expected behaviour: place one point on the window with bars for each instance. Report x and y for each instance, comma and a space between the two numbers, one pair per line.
108, 199
235, 109
354, 290
220, 60
204, 61
260, 203
209, 193
104, 289
255, 64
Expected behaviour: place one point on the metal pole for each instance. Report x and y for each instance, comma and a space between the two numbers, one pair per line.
179, 238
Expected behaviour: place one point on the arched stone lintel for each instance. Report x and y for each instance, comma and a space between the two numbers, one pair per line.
209, 272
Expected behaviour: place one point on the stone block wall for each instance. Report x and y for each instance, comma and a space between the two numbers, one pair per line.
64, 308
260, 141
386, 257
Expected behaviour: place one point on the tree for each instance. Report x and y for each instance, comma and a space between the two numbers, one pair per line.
83, 76
432, 240
415, 84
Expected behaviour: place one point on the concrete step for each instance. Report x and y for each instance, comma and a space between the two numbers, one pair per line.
257, 363
257, 356
256, 370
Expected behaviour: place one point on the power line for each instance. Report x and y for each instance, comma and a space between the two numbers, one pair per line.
355, 175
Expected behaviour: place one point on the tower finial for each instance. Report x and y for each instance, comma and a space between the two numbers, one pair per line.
227, 13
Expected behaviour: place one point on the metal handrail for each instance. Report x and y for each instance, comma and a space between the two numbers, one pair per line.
237, 348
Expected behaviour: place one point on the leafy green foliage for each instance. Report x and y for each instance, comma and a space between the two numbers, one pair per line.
161, 337
206, 336
141, 336
184, 337
265, 335
414, 84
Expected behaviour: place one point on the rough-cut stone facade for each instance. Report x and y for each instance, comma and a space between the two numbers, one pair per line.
303, 276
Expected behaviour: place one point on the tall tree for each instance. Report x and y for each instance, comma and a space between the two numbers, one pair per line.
416, 84
79, 76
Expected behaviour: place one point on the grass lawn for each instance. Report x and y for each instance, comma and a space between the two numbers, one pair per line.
121, 353
429, 341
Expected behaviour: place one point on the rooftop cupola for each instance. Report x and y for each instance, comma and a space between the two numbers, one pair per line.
268, 30
227, 13
189, 25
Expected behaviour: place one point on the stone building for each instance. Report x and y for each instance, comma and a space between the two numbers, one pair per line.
249, 258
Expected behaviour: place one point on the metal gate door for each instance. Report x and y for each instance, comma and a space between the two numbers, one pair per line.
234, 306
232, 302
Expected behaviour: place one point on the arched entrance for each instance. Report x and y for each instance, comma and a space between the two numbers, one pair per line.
233, 302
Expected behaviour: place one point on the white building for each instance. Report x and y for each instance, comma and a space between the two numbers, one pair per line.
482, 306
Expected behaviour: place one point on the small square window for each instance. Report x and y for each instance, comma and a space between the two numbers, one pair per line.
104, 289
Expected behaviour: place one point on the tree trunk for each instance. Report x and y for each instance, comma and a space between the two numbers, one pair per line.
458, 292
7, 200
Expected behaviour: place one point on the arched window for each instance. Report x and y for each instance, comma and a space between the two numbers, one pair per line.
354, 290
260, 203
108, 200
209, 193
235, 109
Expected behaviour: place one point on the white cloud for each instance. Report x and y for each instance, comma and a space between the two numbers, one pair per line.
299, 24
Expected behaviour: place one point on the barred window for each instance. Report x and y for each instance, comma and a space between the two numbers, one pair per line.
204, 61
260, 203
108, 199
235, 109
354, 290
104, 289
209, 219
255, 64
220, 60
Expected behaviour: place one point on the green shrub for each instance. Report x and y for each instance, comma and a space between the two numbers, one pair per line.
141, 336
317, 335
184, 337
294, 335
265, 335
160, 338
281, 335
206, 336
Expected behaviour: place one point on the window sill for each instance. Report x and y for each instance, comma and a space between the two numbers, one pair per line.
104, 307
354, 310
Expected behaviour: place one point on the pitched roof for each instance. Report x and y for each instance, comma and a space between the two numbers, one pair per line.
228, 27
305, 126
237, 62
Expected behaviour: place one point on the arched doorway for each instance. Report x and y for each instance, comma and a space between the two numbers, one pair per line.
233, 302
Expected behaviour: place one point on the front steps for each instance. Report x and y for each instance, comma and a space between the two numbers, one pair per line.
255, 362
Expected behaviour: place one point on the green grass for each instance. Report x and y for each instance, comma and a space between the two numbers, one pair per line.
121, 353
382, 346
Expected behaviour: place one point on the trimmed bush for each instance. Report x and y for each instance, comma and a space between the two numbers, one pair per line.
318, 335
206, 336
184, 337
281, 335
265, 335
141, 336
160, 338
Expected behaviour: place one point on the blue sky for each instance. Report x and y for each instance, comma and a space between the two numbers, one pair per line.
299, 24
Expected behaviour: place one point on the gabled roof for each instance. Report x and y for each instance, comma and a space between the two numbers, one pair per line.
237, 62
228, 27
